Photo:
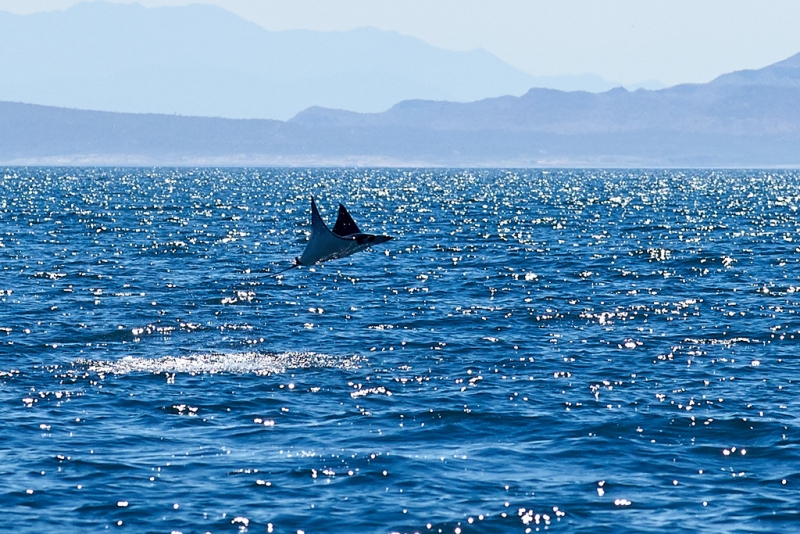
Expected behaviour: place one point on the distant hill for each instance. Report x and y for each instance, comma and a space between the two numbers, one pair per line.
746, 118
755, 102
203, 60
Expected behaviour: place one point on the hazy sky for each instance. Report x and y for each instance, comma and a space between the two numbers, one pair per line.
625, 41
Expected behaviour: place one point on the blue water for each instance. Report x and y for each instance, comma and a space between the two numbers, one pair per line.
570, 351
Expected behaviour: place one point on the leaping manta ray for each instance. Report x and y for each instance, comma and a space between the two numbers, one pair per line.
344, 240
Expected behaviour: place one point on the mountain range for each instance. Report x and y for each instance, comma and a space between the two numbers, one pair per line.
745, 118
205, 61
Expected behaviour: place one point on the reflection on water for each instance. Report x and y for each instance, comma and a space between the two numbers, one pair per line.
536, 350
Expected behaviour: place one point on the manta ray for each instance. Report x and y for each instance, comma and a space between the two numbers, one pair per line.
325, 244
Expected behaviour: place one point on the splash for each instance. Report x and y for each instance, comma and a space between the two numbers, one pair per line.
257, 363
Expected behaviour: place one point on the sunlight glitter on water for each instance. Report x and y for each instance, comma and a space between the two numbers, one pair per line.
527, 334
259, 364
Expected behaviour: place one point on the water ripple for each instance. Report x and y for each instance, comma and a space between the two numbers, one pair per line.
561, 350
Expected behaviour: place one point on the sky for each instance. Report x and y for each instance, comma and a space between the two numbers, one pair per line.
625, 41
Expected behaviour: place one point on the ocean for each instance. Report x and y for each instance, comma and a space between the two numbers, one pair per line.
536, 350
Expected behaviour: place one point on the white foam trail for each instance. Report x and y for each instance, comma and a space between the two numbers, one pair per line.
257, 363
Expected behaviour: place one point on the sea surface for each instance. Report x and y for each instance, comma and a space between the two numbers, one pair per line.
564, 350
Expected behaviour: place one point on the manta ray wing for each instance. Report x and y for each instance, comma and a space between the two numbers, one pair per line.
324, 245
345, 225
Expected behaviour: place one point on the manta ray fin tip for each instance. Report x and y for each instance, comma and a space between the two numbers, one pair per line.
345, 225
